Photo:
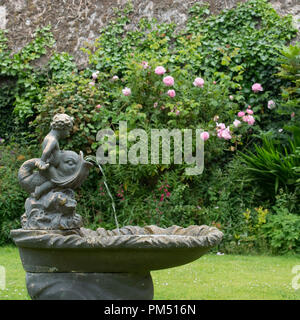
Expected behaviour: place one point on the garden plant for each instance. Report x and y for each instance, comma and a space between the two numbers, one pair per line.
235, 75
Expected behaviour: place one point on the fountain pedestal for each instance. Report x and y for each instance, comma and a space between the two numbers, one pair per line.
89, 286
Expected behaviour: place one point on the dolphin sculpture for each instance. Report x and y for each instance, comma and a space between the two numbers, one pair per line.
70, 172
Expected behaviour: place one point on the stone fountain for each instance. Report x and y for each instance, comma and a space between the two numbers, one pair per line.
65, 261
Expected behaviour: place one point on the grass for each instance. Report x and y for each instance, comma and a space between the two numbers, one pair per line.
227, 277
15, 275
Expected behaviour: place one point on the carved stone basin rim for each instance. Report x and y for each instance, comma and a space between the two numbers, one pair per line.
126, 237
135, 249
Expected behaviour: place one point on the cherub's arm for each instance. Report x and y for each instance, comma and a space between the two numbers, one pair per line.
47, 151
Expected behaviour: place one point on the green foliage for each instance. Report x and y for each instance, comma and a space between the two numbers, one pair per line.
290, 63
12, 198
274, 166
79, 99
282, 231
224, 197
102, 105
6, 107
19, 66
260, 33
209, 44
23, 83
60, 69
231, 51
163, 194
290, 70
248, 235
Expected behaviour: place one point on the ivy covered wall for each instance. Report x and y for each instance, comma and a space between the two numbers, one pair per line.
75, 22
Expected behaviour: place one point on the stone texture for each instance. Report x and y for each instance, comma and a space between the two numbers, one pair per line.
131, 249
76, 22
130, 237
54, 210
89, 286
3, 17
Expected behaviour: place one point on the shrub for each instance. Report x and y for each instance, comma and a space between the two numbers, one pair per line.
241, 44
282, 231
290, 70
79, 99
102, 104
274, 166
214, 62
23, 83
12, 197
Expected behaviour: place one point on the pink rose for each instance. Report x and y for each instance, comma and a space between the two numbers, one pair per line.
241, 114
115, 78
145, 64
198, 82
95, 75
177, 112
168, 81
171, 93
249, 111
231, 97
225, 134
219, 134
249, 119
257, 87
160, 70
98, 107
92, 83
204, 135
126, 91
271, 104
236, 123
221, 126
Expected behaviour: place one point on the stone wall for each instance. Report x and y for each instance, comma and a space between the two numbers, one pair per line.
75, 22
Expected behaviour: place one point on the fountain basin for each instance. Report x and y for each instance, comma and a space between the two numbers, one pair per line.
134, 250
108, 264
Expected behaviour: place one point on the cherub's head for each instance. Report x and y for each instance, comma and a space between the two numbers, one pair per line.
63, 123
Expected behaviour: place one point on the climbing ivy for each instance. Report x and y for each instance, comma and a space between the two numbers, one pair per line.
242, 43
22, 84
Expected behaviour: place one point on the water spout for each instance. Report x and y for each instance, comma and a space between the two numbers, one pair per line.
93, 159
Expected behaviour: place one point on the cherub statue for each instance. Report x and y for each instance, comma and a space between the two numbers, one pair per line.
51, 180
61, 126
55, 167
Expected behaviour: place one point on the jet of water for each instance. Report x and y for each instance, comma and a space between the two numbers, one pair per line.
93, 159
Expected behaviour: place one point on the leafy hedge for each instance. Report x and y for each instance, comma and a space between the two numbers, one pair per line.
229, 52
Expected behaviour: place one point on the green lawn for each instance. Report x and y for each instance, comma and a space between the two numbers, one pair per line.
211, 277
